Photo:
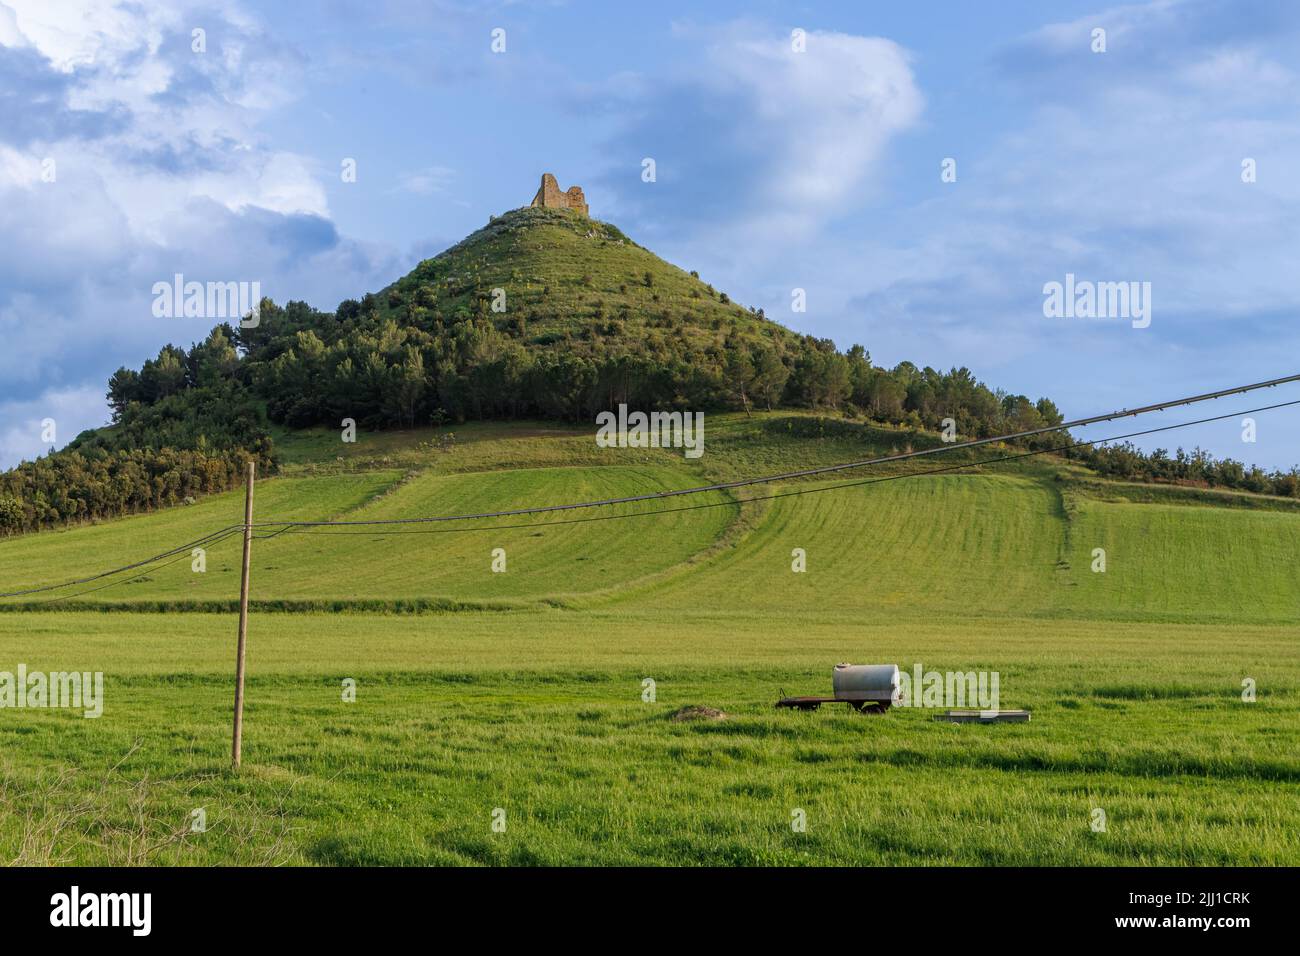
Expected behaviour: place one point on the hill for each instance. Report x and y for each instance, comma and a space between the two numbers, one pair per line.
577, 285
542, 314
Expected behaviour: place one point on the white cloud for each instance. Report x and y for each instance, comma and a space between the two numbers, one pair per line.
72, 409
823, 115
201, 138
755, 143
10, 35
428, 181
74, 34
163, 164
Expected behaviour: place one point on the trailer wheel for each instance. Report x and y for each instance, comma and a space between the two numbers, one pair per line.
869, 706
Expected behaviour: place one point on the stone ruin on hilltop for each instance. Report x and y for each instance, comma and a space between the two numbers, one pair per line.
550, 196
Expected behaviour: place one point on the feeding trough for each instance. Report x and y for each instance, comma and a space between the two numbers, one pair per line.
870, 688
984, 716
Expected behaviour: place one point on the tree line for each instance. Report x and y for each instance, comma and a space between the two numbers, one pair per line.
72, 486
310, 368
193, 439
1197, 467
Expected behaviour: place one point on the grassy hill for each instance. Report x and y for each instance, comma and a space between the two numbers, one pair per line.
569, 282
543, 315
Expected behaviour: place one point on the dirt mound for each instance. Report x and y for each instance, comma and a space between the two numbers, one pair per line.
697, 712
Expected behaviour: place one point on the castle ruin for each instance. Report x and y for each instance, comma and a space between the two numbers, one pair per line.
550, 196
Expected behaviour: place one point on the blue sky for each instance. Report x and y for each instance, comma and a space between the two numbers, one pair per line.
776, 170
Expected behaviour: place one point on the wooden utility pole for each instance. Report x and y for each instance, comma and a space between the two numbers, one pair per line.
237, 742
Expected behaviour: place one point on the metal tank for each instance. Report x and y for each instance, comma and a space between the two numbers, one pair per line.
867, 682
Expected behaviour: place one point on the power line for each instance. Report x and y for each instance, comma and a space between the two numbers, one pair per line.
197, 542
721, 486
805, 473
737, 502
136, 577
207, 540
226, 533
291, 529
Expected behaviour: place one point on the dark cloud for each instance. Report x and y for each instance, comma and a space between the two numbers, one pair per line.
34, 107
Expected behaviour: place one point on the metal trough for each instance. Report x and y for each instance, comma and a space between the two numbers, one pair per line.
984, 716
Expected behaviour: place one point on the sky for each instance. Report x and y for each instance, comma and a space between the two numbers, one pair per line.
795, 146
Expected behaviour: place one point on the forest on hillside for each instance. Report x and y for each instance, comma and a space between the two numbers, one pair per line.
186, 420
315, 368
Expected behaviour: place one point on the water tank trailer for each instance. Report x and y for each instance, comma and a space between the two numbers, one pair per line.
870, 688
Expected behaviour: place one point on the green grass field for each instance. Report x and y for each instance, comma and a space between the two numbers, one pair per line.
523, 691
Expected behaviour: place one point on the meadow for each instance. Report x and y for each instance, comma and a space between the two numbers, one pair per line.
523, 693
